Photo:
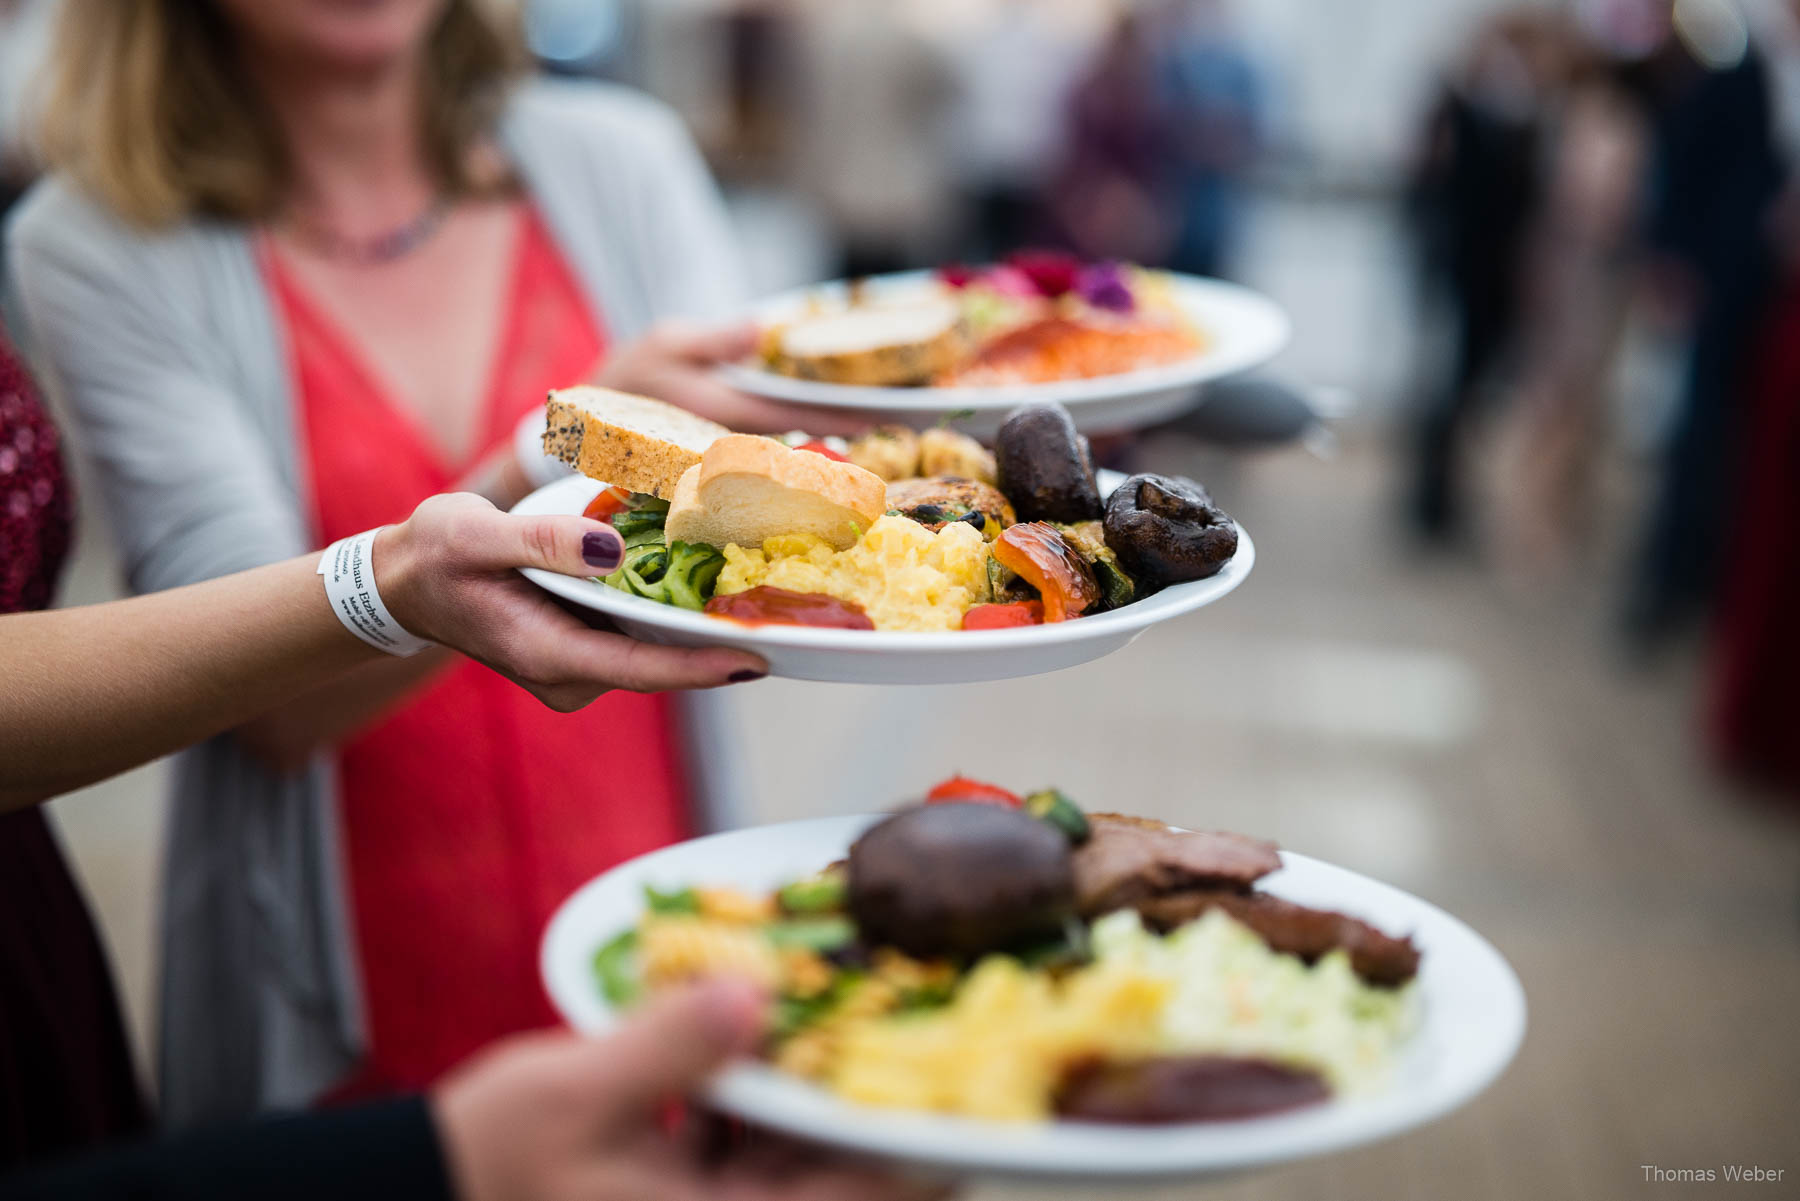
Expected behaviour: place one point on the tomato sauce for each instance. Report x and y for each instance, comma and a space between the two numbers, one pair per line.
764, 605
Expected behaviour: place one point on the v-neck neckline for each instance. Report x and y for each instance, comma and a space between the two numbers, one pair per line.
360, 364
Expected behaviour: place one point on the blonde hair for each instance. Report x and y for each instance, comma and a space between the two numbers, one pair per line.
149, 110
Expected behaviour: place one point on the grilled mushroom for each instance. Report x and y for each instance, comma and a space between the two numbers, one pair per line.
1166, 530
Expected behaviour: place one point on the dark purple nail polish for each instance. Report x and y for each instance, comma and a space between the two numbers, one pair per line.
602, 551
745, 676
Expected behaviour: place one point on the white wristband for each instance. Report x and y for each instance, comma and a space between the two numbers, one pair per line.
348, 566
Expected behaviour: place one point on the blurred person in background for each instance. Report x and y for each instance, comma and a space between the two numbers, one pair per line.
24, 40
301, 266
66, 1076
1714, 181
1580, 255
1213, 104
1109, 198
1755, 681
869, 109
1013, 73
1472, 200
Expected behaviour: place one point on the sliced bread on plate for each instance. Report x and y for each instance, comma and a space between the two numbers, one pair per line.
878, 345
624, 439
746, 489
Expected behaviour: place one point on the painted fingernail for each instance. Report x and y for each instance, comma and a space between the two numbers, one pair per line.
745, 676
602, 551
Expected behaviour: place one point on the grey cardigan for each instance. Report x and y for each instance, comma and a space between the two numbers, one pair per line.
167, 354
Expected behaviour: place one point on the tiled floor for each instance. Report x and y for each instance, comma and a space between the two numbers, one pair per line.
1408, 718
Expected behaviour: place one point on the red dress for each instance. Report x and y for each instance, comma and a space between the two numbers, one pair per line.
470, 811
1756, 656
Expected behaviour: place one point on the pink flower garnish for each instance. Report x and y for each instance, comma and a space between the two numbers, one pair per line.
1051, 272
1005, 280
957, 275
1106, 286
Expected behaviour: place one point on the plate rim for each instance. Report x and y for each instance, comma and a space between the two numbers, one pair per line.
1276, 333
1042, 1150
1170, 603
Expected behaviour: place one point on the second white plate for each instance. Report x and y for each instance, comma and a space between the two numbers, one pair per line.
1473, 1018
1244, 329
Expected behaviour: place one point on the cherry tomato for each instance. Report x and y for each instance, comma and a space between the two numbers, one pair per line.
610, 501
819, 448
962, 788
1004, 617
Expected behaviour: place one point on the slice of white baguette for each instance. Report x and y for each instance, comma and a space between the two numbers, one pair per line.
624, 439
746, 489
877, 345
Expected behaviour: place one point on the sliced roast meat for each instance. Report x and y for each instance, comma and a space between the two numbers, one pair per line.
1129, 859
1293, 929
1196, 1088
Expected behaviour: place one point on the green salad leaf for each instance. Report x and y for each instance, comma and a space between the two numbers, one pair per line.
616, 969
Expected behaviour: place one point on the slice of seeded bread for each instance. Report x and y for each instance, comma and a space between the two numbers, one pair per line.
632, 441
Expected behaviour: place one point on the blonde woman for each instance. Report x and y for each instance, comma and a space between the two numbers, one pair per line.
300, 266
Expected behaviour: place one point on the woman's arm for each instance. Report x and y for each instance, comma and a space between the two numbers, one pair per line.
86, 693
311, 720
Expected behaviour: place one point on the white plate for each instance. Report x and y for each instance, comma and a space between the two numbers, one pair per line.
874, 656
1473, 1017
1243, 328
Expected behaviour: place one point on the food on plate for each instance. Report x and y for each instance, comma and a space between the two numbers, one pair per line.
876, 344
671, 573
936, 501
1036, 318
746, 489
960, 878
890, 451
1037, 554
1166, 530
1053, 806
766, 605
1004, 615
952, 452
1185, 1088
904, 576
968, 788
1127, 860
1292, 929
1088, 539
1057, 348
629, 441
1045, 468
708, 515
994, 955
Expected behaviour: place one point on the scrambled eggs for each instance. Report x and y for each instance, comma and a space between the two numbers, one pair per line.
1000, 1047
901, 574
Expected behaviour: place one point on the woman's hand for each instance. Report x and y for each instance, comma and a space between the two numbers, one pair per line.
555, 1117
447, 573
675, 361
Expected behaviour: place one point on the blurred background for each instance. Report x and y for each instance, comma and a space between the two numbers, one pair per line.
1521, 634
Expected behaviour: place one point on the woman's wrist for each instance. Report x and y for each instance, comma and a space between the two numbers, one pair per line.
354, 593
397, 574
